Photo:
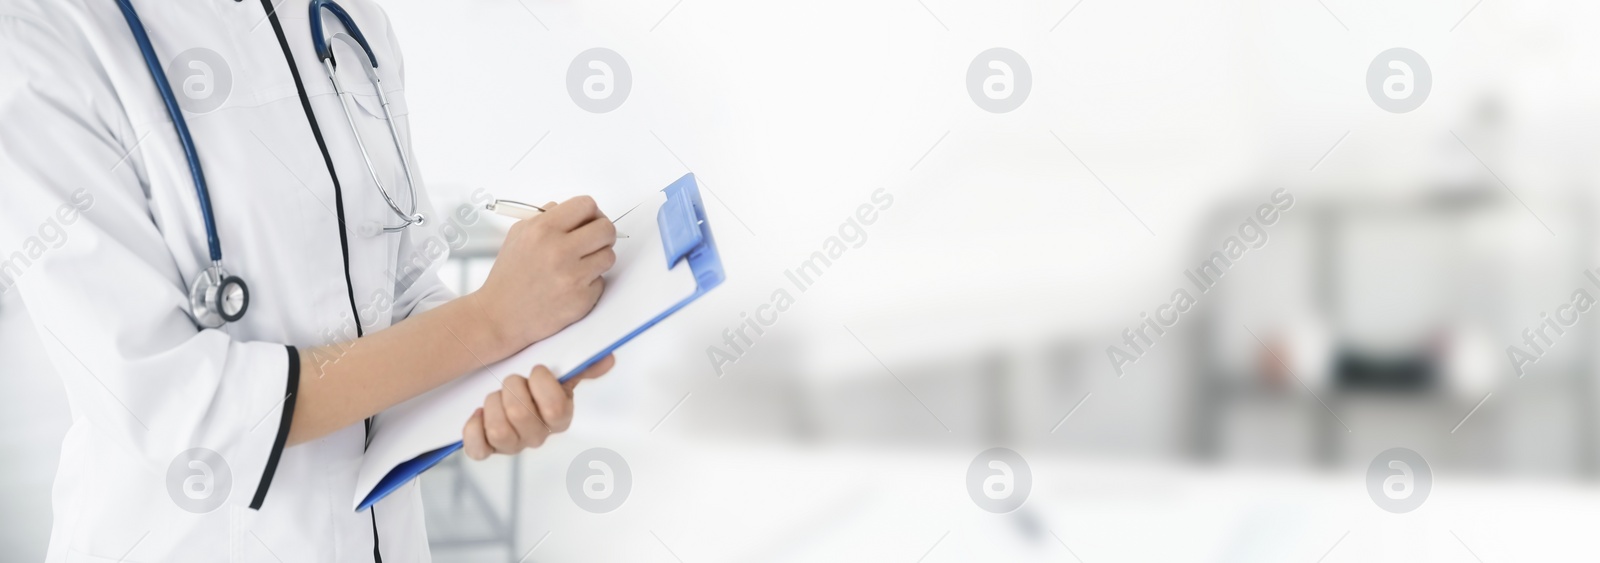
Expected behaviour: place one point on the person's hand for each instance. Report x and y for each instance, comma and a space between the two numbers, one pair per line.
524, 412
547, 275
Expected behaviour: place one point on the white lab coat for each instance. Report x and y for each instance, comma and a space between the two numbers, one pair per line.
102, 227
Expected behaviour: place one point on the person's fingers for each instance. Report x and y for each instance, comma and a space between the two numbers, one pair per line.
596, 370
598, 263
572, 213
496, 428
555, 404
472, 438
521, 412
594, 235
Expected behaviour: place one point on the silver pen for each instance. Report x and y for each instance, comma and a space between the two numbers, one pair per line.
519, 211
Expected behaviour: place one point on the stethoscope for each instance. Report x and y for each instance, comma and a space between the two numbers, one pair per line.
215, 297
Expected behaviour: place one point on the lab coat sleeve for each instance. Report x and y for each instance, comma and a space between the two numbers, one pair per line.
103, 288
423, 249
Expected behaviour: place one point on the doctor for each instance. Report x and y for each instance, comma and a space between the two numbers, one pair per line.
218, 406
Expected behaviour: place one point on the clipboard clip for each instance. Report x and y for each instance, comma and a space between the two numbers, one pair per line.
681, 220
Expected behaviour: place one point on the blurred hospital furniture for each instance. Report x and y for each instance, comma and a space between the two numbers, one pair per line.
1378, 321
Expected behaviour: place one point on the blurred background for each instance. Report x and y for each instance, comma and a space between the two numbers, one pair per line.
988, 305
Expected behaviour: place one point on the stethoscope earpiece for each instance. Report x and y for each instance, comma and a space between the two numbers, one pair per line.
353, 37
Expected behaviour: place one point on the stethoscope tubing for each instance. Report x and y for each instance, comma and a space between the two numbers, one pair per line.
208, 296
213, 242
411, 217
324, 50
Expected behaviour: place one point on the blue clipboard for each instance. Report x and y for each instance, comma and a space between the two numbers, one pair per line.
685, 237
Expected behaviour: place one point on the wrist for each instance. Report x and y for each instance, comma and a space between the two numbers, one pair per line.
499, 334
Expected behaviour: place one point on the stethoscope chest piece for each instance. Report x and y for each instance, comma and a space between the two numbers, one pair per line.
216, 298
